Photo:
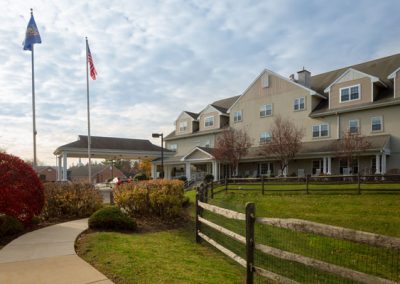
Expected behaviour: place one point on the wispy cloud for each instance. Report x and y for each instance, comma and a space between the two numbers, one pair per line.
156, 58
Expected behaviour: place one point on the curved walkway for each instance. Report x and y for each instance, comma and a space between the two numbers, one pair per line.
48, 256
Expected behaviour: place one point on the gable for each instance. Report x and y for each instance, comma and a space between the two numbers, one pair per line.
351, 75
197, 154
183, 116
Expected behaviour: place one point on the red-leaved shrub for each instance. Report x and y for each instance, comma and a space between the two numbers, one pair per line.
21, 192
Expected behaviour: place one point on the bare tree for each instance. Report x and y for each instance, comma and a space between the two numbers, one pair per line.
231, 146
285, 141
351, 146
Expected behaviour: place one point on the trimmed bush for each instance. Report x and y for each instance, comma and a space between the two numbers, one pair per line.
140, 176
10, 225
208, 178
111, 218
70, 200
21, 191
163, 198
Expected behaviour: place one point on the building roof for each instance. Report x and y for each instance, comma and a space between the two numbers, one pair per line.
39, 169
224, 104
192, 114
381, 68
173, 136
377, 143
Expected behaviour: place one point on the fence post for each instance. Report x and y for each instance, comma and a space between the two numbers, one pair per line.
212, 189
111, 197
206, 192
307, 181
250, 220
262, 185
226, 184
198, 213
359, 183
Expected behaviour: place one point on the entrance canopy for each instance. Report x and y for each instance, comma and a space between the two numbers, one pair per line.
112, 148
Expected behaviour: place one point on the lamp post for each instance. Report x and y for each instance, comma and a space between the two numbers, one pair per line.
156, 135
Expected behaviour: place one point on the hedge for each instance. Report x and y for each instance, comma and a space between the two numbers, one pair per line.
162, 198
111, 218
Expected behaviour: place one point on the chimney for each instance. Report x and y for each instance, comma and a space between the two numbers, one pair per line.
304, 78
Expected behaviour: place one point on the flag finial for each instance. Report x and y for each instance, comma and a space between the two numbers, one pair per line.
31, 11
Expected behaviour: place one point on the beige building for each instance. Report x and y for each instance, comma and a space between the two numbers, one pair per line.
362, 98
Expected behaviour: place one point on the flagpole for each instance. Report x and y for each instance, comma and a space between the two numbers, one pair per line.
33, 105
88, 111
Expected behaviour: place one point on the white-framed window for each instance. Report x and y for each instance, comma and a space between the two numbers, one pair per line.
350, 93
265, 137
354, 126
299, 103
182, 126
266, 110
209, 121
173, 147
376, 124
321, 130
237, 116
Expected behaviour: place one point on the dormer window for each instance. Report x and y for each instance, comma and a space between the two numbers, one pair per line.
299, 104
209, 121
238, 116
350, 93
182, 126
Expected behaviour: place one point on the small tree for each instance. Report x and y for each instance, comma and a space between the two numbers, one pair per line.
285, 141
145, 167
231, 146
351, 146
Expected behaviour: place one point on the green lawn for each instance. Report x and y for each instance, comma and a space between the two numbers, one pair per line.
161, 257
173, 256
378, 213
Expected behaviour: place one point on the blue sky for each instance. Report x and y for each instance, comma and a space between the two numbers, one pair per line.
157, 58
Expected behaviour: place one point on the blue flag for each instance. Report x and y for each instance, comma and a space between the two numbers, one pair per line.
32, 35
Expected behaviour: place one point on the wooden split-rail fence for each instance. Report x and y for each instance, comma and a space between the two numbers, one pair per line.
293, 224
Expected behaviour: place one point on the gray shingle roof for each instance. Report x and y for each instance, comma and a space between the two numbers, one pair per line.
381, 68
192, 114
113, 143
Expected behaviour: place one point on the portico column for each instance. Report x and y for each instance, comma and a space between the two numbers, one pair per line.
215, 170
383, 168
378, 165
329, 165
59, 169
153, 170
187, 171
65, 166
324, 165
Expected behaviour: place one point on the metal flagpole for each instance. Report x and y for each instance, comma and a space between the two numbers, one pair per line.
88, 111
33, 108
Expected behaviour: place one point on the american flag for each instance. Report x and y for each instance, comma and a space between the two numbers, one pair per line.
93, 72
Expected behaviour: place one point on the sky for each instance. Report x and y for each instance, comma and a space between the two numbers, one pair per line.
155, 59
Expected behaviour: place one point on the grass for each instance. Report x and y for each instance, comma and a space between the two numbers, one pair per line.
172, 256
169, 256
378, 213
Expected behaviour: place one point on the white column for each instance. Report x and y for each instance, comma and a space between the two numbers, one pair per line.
59, 171
285, 171
378, 164
329, 172
153, 170
65, 166
215, 170
187, 171
324, 165
383, 168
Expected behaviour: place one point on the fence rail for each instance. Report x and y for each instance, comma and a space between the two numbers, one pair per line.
304, 226
308, 184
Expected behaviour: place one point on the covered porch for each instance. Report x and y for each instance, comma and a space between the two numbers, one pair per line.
106, 148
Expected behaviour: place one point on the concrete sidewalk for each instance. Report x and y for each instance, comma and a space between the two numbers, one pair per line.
48, 256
